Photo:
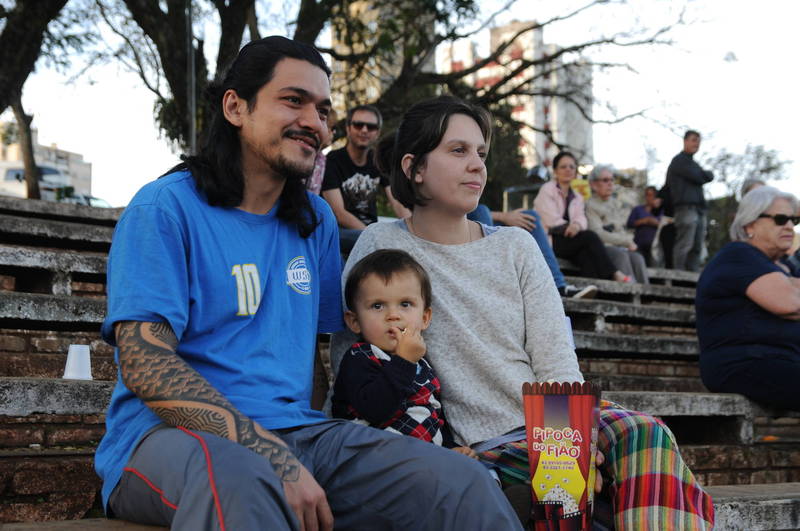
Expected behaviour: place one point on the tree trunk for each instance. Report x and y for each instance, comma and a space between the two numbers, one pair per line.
26, 146
21, 43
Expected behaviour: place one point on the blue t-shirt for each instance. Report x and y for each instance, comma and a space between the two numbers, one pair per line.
731, 327
244, 294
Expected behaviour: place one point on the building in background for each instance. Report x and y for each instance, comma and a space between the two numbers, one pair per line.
350, 85
70, 167
557, 104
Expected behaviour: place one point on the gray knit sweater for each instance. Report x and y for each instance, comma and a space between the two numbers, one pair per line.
497, 322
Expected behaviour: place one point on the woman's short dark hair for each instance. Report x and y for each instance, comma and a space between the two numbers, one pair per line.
217, 169
561, 155
385, 263
421, 129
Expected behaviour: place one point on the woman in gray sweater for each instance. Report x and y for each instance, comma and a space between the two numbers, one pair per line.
498, 320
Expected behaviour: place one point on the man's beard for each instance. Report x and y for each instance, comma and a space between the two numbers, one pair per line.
291, 170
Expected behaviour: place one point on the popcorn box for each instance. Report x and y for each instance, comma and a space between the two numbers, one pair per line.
561, 429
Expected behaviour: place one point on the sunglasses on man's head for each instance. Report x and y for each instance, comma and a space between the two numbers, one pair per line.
371, 126
781, 219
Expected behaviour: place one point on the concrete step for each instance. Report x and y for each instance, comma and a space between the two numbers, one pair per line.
698, 418
599, 312
682, 404
695, 418
600, 345
657, 275
637, 293
19, 230
20, 397
34, 208
56, 311
38, 270
672, 277
652, 383
756, 507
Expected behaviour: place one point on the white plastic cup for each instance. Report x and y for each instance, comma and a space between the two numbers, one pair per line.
79, 365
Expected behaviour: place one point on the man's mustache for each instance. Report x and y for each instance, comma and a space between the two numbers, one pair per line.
294, 133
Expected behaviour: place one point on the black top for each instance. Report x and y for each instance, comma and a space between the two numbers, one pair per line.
359, 184
730, 326
685, 179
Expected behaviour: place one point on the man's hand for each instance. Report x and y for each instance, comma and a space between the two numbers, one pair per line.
517, 218
572, 229
308, 501
410, 345
466, 450
632, 246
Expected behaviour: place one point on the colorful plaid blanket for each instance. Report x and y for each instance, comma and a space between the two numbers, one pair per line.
649, 485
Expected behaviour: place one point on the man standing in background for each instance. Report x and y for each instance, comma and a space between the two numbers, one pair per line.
685, 179
352, 180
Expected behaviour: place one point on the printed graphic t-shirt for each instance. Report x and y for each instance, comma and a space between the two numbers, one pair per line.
244, 294
359, 184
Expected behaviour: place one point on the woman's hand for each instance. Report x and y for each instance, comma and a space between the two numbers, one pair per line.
599, 459
572, 229
466, 450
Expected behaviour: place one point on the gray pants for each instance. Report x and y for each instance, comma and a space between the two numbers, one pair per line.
630, 263
690, 233
372, 479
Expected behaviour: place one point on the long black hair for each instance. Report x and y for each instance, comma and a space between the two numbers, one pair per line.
217, 169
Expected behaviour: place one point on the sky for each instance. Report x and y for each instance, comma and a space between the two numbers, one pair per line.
728, 74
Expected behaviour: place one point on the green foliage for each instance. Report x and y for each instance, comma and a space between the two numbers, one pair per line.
9, 133
732, 169
504, 164
757, 162
73, 33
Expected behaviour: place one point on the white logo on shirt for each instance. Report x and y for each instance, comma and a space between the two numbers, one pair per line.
297, 275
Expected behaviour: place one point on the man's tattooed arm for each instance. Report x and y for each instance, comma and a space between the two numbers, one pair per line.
179, 395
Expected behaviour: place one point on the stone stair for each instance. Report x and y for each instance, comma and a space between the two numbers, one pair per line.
637, 341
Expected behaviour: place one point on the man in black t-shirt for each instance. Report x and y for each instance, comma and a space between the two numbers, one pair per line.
352, 181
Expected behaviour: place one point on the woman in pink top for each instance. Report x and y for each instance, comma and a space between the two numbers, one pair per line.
564, 218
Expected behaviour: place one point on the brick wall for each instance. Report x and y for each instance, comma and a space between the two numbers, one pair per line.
47, 467
48, 487
743, 465
42, 354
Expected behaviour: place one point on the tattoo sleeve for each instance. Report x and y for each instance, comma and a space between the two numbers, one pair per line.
178, 394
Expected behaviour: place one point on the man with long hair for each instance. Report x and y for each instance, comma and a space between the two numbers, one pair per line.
220, 275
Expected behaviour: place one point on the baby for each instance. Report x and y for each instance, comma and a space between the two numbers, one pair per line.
385, 381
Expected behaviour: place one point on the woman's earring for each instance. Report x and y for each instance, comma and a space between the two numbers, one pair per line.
750, 235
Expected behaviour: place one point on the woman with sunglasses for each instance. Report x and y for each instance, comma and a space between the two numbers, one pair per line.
748, 306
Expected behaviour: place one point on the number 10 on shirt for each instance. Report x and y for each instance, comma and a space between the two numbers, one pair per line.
248, 288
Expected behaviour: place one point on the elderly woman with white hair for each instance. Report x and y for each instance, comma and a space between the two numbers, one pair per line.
608, 218
748, 306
